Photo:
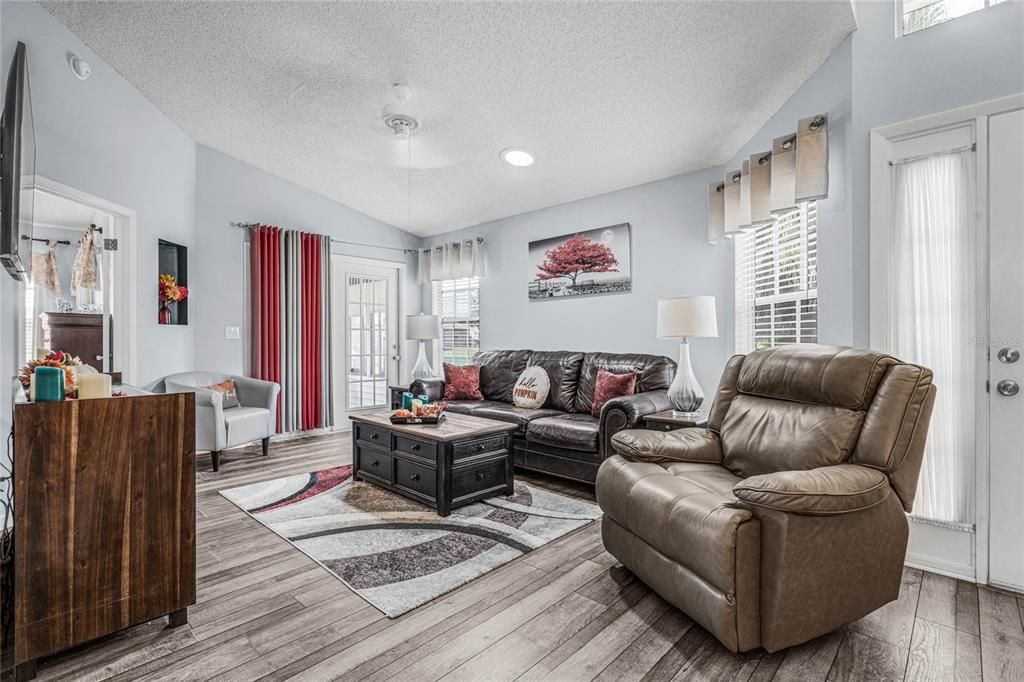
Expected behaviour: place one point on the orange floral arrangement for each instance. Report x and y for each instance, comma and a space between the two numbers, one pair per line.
57, 358
170, 290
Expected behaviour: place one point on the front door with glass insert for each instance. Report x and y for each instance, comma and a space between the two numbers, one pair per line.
366, 335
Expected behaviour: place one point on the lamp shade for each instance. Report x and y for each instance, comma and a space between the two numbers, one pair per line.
687, 316
422, 327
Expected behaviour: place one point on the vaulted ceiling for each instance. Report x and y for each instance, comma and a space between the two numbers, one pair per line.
605, 94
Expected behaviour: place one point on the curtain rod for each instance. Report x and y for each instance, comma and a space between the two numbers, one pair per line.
62, 242
342, 241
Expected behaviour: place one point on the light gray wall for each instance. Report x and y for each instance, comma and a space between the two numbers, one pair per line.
971, 59
229, 190
671, 255
104, 137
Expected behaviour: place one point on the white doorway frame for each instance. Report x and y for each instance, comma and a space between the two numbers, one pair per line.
125, 310
340, 362
938, 549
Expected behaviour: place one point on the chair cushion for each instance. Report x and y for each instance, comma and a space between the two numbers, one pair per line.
686, 510
762, 435
563, 368
519, 416
569, 431
462, 382
245, 424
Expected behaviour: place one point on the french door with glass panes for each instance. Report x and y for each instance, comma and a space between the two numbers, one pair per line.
365, 335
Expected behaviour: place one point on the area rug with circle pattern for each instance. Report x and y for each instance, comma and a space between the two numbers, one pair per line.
398, 554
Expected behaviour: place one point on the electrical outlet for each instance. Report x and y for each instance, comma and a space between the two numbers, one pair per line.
232, 333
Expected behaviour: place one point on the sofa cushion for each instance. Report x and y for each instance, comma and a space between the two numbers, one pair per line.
462, 382
762, 435
499, 370
468, 406
686, 510
563, 368
520, 416
610, 386
656, 373
570, 431
245, 424
532, 388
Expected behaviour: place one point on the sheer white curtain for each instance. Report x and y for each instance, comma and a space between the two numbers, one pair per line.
931, 320
451, 260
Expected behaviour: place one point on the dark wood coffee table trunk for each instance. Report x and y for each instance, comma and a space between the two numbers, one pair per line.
462, 460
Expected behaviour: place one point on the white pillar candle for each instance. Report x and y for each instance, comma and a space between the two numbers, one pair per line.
93, 386
32, 386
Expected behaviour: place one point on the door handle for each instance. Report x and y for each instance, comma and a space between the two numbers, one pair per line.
1008, 355
1008, 387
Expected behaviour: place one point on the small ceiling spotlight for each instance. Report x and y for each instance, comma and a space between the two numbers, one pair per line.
79, 67
514, 156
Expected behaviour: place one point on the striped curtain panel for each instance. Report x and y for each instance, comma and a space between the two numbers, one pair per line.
290, 300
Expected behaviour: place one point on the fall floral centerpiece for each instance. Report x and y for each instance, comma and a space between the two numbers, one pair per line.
170, 292
57, 358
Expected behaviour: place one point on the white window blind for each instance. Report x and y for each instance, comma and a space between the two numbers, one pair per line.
457, 303
777, 281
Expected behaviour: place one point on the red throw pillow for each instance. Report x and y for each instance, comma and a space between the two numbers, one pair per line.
610, 386
462, 382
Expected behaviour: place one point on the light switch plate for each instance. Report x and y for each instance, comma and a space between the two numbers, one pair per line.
232, 333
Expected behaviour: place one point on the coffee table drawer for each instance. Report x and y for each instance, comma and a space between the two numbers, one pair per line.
416, 477
478, 477
481, 446
375, 463
374, 435
414, 446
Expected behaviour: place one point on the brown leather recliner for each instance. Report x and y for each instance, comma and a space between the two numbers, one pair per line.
785, 518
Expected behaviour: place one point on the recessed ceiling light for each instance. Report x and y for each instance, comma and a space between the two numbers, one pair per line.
517, 157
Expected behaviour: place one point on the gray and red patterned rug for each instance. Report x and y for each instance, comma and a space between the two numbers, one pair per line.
398, 554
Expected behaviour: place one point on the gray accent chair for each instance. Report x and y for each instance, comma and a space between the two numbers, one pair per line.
218, 429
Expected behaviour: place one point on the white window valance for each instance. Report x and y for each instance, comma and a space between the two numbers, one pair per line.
772, 183
451, 260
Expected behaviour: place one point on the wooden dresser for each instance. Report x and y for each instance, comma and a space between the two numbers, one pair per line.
80, 334
104, 497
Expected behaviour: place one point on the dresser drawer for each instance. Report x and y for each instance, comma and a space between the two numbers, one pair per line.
416, 477
374, 435
475, 478
376, 463
414, 446
482, 446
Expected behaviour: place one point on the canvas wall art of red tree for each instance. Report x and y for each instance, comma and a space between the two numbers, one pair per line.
581, 263
576, 256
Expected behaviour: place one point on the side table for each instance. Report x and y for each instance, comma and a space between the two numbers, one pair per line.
668, 421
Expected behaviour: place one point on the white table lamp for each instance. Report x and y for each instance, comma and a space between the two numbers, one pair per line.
422, 328
686, 317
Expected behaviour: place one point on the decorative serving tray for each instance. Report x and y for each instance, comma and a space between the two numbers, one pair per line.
418, 420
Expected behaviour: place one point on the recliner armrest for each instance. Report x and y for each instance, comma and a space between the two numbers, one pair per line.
824, 491
683, 445
626, 412
433, 388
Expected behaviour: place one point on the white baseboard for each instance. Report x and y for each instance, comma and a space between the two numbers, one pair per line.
942, 550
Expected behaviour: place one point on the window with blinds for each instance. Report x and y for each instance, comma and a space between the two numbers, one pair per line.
457, 303
777, 281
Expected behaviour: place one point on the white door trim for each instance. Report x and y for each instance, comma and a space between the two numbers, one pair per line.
951, 557
125, 300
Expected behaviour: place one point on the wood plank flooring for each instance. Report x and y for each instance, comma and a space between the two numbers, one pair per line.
565, 612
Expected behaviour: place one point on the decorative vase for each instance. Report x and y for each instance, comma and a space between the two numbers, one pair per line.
165, 313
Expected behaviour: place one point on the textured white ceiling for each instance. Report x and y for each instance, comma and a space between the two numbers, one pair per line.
605, 94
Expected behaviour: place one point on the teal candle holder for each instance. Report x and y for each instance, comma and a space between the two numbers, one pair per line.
49, 384
424, 399
407, 400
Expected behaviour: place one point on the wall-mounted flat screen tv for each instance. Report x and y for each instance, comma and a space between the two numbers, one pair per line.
17, 171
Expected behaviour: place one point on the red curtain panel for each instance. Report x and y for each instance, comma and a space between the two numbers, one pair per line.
290, 310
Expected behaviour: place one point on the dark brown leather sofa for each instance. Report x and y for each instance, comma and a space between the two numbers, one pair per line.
561, 437
785, 518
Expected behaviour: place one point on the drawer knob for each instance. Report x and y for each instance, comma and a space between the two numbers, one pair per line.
479, 476
374, 463
415, 447
415, 477
481, 447
373, 436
